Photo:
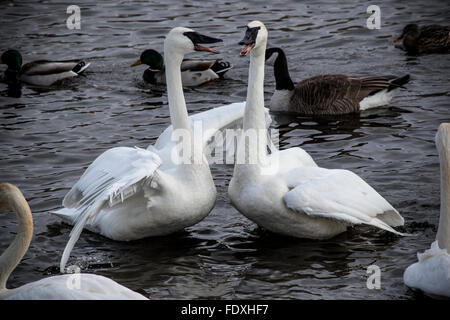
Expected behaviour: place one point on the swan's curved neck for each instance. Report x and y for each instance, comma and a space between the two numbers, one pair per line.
283, 80
12, 199
252, 150
177, 104
443, 234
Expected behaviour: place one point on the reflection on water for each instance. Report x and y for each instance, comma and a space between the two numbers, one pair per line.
50, 135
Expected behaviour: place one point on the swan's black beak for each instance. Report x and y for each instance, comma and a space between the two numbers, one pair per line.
249, 40
198, 38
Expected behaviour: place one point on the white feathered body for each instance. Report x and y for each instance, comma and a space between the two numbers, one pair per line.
431, 273
298, 198
160, 203
142, 192
72, 287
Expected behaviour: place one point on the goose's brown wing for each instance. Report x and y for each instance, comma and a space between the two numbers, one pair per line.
327, 94
371, 85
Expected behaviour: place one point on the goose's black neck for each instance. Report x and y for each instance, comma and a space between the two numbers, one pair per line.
282, 78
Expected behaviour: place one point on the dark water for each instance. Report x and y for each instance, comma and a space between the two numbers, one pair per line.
50, 136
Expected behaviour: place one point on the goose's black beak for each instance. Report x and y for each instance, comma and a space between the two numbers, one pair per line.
249, 40
198, 38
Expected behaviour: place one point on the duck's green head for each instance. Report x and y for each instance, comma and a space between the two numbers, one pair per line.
12, 58
151, 58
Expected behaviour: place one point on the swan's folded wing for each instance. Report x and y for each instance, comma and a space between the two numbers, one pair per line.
340, 195
115, 175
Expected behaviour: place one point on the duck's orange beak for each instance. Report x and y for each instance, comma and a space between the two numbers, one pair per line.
400, 38
136, 63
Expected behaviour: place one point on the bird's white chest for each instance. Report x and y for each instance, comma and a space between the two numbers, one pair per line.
280, 100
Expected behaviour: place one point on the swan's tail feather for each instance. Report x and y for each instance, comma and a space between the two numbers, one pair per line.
384, 226
98, 187
66, 214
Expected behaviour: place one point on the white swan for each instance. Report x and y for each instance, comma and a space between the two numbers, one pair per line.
286, 192
133, 193
431, 273
86, 286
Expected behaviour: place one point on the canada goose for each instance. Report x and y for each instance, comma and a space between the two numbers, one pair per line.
328, 94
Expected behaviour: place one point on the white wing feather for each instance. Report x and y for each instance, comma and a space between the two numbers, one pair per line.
338, 194
115, 175
214, 121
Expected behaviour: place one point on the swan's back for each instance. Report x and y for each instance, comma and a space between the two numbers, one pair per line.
92, 287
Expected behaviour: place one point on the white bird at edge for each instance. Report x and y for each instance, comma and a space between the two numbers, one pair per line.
431, 273
84, 287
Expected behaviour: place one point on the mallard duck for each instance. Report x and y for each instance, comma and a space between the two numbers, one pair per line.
194, 72
328, 94
40, 72
426, 39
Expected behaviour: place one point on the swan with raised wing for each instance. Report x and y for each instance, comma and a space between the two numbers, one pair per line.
133, 193
286, 192
69, 286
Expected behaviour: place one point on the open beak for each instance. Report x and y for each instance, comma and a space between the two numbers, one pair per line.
136, 63
198, 47
400, 38
249, 40
1, 61
246, 49
198, 38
